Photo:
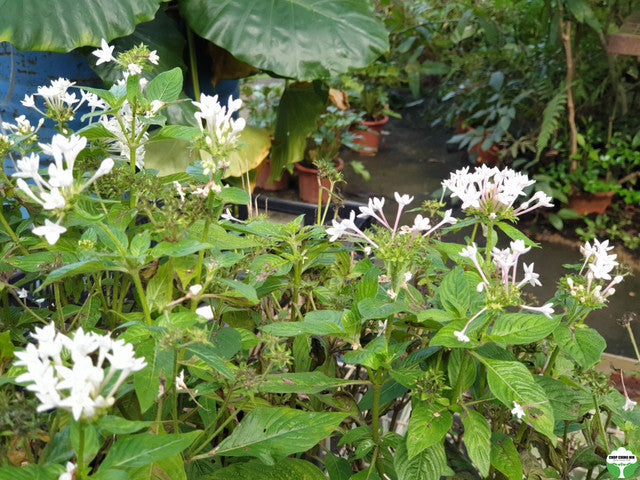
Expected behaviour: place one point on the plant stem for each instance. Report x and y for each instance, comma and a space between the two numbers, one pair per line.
633, 341
11, 233
58, 298
141, 295
80, 453
193, 65
211, 437
601, 427
376, 388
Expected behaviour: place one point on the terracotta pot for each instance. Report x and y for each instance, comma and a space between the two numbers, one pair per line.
369, 137
489, 156
308, 182
584, 203
262, 178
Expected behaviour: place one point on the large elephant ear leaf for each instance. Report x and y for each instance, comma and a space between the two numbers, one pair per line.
62, 25
304, 40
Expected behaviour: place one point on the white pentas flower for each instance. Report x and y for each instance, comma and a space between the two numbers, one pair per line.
54, 192
124, 126
50, 231
220, 131
60, 104
86, 384
587, 286
493, 192
104, 53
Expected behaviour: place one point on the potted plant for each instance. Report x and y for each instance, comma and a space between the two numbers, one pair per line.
261, 102
600, 172
317, 171
368, 91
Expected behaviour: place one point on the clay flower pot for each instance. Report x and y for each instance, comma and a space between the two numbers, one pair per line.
308, 182
583, 203
262, 178
369, 137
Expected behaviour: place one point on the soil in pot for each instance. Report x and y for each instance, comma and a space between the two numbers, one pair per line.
262, 178
583, 203
308, 182
368, 137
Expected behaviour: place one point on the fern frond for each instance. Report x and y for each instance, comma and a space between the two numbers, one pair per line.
550, 121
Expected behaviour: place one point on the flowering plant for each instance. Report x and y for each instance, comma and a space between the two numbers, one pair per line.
163, 338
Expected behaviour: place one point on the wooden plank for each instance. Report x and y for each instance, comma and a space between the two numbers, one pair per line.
627, 40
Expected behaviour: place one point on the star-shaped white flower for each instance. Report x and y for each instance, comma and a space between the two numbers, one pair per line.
517, 410
50, 231
105, 53
153, 57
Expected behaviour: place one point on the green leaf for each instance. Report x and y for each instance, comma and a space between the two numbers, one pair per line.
461, 364
31, 472
567, 403
522, 328
477, 439
176, 132
239, 289
140, 243
504, 456
303, 382
77, 268
185, 246
112, 424
63, 25
583, 13
305, 40
298, 111
338, 468
286, 469
428, 464
372, 308
35, 262
581, 343
427, 426
210, 355
373, 355
159, 291
510, 381
455, 292
145, 448
166, 86
273, 433
146, 381
318, 322
515, 234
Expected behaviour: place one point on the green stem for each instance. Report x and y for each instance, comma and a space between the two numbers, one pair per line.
193, 65
320, 192
326, 207
11, 233
211, 437
376, 388
601, 427
456, 391
633, 341
142, 297
552, 360
80, 453
58, 298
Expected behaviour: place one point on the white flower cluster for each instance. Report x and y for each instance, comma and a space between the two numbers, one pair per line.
506, 263
83, 388
120, 125
219, 129
22, 127
105, 55
60, 104
493, 192
374, 209
599, 264
53, 193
